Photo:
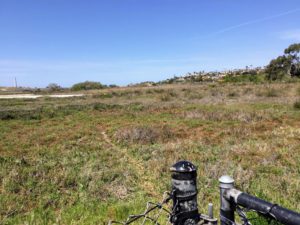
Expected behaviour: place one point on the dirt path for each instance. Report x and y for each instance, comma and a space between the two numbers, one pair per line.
31, 96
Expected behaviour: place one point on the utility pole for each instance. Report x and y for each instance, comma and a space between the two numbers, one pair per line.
16, 84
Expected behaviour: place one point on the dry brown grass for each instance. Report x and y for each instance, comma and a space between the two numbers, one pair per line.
219, 115
143, 135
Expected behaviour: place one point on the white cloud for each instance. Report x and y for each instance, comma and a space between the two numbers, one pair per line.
291, 35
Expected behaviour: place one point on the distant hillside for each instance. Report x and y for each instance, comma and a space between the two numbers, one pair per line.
283, 67
213, 76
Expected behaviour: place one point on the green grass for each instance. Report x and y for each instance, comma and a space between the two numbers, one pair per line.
86, 160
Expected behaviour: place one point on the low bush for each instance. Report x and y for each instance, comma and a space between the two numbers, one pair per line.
297, 104
53, 87
167, 96
87, 85
233, 94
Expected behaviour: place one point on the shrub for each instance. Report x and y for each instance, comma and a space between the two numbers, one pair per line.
87, 85
297, 104
54, 87
233, 94
168, 96
113, 86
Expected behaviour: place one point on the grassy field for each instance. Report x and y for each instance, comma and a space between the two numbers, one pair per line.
89, 159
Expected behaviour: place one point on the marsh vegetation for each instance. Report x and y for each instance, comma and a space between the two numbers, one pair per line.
85, 160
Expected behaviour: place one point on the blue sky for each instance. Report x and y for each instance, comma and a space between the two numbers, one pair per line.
128, 41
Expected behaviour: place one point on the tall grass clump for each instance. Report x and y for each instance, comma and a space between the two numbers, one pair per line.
272, 93
168, 96
143, 135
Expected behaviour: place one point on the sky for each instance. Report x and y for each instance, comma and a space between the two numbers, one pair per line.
129, 41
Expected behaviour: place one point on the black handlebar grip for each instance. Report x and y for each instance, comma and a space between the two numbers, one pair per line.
282, 215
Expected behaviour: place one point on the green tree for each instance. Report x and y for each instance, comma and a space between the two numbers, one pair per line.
278, 68
54, 87
293, 51
284, 64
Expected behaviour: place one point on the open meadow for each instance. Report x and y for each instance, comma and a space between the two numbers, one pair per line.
101, 156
